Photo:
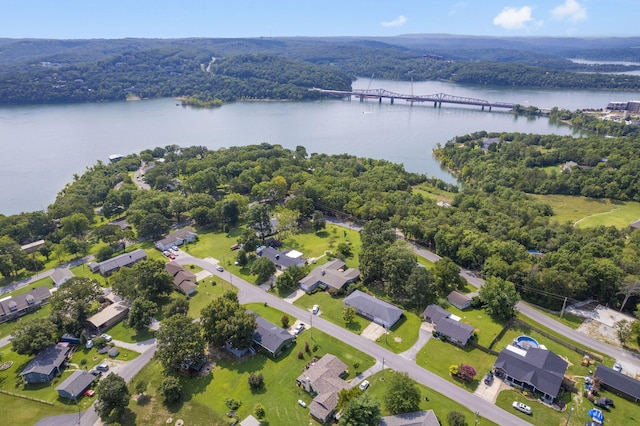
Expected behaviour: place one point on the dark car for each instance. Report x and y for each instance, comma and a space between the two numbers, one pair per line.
96, 372
488, 379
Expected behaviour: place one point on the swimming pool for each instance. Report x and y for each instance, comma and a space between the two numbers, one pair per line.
525, 342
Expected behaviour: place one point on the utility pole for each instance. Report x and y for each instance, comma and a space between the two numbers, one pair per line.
382, 370
311, 325
569, 418
564, 305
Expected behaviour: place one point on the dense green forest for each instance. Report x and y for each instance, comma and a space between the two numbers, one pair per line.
223, 70
489, 226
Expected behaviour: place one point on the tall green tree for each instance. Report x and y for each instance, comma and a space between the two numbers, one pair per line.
263, 268
402, 396
499, 298
141, 313
32, 335
146, 279
113, 397
363, 410
71, 303
447, 276
224, 320
180, 342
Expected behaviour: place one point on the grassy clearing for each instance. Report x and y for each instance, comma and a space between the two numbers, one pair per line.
589, 212
437, 356
90, 357
440, 404
433, 193
204, 397
403, 334
6, 328
331, 310
486, 327
124, 333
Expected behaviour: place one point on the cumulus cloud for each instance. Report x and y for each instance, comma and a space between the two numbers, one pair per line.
398, 22
512, 18
570, 10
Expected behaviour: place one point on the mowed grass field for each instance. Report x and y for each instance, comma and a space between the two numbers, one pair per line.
589, 212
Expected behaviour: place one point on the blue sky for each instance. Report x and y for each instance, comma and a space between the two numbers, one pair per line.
265, 18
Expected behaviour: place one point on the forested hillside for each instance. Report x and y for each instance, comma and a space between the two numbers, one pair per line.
56, 71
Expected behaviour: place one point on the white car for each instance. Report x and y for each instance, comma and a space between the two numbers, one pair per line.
298, 329
175, 249
89, 344
617, 367
302, 403
521, 407
219, 268
106, 337
364, 385
315, 309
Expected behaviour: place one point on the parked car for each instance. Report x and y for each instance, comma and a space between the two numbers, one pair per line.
175, 249
102, 367
96, 372
617, 367
302, 403
488, 379
364, 385
89, 344
298, 329
521, 407
219, 268
89, 392
166, 253
315, 309
106, 337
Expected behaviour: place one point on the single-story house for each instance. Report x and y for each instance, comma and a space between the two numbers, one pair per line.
114, 264
634, 225
21, 304
178, 238
333, 274
459, 300
418, 418
454, 331
377, 310
75, 384
32, 247
121, 223
46, 364
618, 383
487, 142
434, 313
183, 279
271, 338
250, 421
94, 267
270, 229
282, 259
323, 378
534, 369
61, 275
109, 316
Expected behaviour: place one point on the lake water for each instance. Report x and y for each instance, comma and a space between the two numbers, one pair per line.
43, 146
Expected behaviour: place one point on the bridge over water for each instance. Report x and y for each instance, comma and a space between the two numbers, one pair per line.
438, 99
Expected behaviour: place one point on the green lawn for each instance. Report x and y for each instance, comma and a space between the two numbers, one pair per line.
403, 334
90, 357
331, 310
204, 397
205, 293
624, 413
589, 212
6, 328
84, 271
486, 327
436, 356
124, 333
436, 194
440, 404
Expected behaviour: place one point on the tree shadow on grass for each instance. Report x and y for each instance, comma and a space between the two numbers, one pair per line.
354, 326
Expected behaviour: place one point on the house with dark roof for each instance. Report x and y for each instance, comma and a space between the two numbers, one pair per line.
332, 275
75, 384
324, 379
46, 364
178, 238
433, 313
418, 418
184, 280
109, 316
618, 383
534, 369
454, 331
114, 264
634, 225
271, 338
282, 259
61, 275
459, 300
376, 310
22, 304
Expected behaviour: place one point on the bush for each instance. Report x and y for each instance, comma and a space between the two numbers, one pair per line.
258, 411
256, 381
285, 321
456, 418
306, 347
232, 404
171, 389
300, 355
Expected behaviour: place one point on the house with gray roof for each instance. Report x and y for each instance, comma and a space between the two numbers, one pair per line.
418, 418
46, 364
332, 275
454, 331
75, 384
618, 383
184, 280
535, 370
178, 238
376, 310
273, 339
282, 259
459, 300
434, 313
22, 304
114, 264
109, 316
634, 225
324, 379
61, 275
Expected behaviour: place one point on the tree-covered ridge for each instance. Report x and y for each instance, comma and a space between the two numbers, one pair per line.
593, 166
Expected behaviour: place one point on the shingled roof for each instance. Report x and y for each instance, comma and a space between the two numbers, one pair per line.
618, 381
373, 307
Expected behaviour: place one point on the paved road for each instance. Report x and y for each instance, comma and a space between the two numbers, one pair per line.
249, 293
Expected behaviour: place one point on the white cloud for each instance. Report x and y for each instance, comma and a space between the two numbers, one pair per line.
398, 22
571, 10
512, 18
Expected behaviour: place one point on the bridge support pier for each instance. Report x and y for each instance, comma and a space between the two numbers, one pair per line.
391, 101
361, 98
482, 107
380, 100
